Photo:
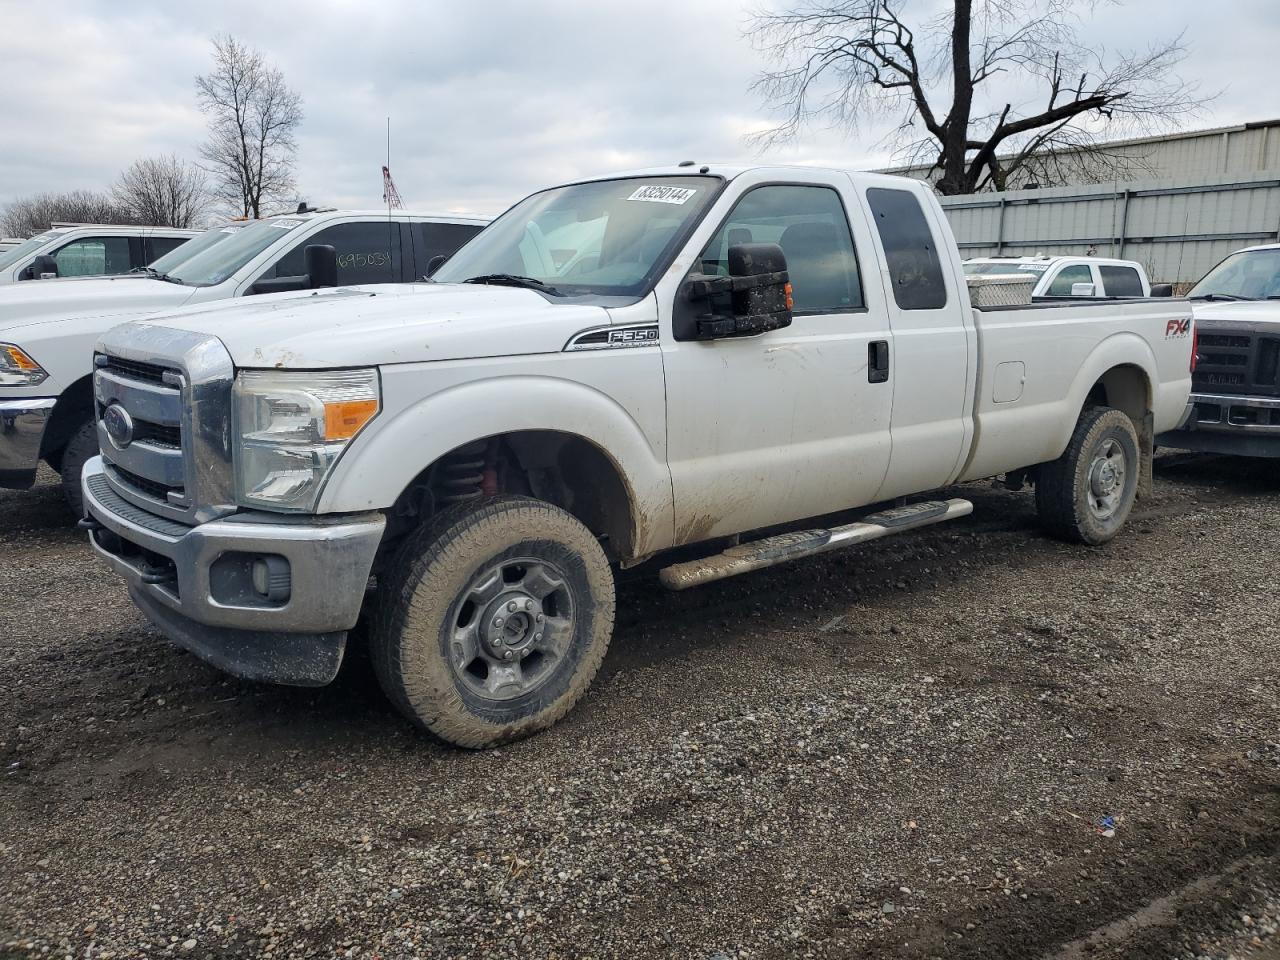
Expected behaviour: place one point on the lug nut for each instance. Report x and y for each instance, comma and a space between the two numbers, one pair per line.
538, 618
528, 604
511, 605
507, 655
497, 621
537, 636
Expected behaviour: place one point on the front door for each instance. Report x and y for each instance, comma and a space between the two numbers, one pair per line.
788, 424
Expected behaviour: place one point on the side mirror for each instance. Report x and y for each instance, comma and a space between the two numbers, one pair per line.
754, 298
321, 261
434, 264
1082, 290
43, 267
1162, 290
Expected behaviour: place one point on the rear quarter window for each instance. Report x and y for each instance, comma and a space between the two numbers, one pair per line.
915, 269
1120, 281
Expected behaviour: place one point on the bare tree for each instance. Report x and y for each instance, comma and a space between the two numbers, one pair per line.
252, 117
34, 214
164, 191
981, 92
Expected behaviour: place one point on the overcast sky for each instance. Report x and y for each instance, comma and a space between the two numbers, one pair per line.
487, 100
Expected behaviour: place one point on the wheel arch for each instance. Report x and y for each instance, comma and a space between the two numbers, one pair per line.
73, 407
572, 443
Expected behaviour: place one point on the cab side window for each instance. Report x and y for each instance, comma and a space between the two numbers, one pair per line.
909, 249
94, 256
367, 253
1121, 281
1060, 286
810, 225
157, 247
440, 239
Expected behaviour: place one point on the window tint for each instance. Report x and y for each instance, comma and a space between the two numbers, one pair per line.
157, 247
94, 256
1121, 281
440, 239
909, 248
1061, 285
810, 226
367, 252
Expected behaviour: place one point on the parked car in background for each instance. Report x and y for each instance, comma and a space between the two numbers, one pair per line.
88, 250
615, 367
1070, 276
1236, 386
47, 330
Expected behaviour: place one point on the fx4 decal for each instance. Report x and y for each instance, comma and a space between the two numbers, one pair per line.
1177, 329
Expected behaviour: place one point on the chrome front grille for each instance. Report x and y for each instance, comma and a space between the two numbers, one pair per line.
163, 400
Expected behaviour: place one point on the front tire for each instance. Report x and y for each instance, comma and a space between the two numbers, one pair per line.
1086, 494
492, 620
82, 445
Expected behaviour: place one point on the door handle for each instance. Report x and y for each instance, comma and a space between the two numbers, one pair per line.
878, 361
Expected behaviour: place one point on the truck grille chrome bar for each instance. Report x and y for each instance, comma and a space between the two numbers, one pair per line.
163, 404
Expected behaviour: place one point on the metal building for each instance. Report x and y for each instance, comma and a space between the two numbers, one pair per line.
1184, 202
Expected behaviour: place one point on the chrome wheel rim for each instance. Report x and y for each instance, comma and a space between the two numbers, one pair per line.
512, 628
1107, 476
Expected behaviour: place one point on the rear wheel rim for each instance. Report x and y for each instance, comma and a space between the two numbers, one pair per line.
1107, 479
512, 628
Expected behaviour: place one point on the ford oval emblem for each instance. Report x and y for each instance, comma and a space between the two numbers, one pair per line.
119, 425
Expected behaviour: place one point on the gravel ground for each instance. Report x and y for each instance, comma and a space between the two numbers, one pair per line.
970, 741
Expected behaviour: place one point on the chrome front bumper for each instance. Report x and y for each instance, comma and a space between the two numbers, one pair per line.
1224, 423
22, 424
196, 583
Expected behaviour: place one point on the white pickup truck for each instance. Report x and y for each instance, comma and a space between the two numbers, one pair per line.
1072, 276
1235, 390
88, 250
615, 367
48, 330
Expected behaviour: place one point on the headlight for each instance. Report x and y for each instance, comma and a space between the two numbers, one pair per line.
17, 369
291, 427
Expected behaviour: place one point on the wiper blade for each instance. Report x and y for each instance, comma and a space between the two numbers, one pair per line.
1221, 296
512, 280
157, 275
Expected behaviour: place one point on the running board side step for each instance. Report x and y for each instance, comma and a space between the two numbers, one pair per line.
759, 554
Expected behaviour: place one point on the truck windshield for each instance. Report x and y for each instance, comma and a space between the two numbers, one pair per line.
221, 260
607, 238
24, 249
1247, 275
195, 245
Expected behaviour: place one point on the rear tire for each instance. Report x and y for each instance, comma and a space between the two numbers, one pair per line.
1086, 494
492, 620
79, 449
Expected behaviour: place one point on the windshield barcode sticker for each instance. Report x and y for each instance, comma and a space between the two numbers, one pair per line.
1033, 267
656, 194
284, 224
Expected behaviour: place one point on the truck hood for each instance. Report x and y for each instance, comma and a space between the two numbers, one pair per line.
1237, 313
400, 323
59, 301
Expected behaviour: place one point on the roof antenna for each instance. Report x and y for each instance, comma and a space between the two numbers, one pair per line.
389, 192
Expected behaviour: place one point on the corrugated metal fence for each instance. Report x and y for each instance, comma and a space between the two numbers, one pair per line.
1176, 230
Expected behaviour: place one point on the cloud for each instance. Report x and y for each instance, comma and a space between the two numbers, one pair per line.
487, 101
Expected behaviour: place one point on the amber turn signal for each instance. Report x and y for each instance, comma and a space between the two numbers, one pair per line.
343, 419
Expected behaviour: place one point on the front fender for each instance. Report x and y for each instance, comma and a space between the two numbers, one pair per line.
413, 432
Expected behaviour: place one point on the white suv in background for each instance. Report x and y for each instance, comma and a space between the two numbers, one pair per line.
1059, 276
88, 250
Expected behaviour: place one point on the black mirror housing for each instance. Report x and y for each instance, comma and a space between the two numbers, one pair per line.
41, 268
434, 264
1162, 290
321, 261
757, 291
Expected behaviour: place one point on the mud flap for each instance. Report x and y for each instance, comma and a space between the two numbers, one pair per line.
1146, 452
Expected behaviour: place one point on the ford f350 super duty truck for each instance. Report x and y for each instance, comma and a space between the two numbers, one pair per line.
48, 330
1235, 391
615, 367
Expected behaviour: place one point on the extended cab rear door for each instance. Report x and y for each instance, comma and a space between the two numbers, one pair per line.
791, 423
933, 359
